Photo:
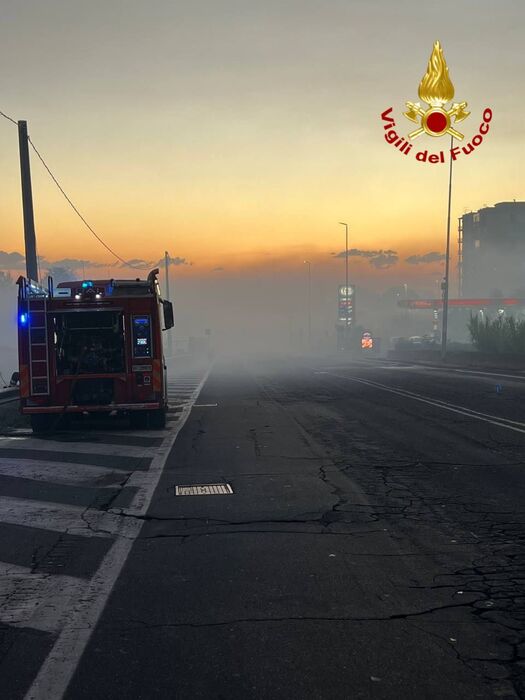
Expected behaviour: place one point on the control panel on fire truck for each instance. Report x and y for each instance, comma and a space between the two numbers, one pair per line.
141, 336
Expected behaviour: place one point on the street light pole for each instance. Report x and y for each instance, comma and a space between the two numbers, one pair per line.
446, 285
346, 284
307, 262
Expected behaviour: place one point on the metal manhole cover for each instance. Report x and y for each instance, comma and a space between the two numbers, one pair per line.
204, 490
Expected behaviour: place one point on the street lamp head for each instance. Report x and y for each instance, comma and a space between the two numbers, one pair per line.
343, 223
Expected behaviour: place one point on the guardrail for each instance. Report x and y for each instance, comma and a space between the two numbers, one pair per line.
9, 395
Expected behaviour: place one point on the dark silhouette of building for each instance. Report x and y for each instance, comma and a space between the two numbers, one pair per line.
492, 250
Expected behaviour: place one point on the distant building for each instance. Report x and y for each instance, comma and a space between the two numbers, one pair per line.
492, 251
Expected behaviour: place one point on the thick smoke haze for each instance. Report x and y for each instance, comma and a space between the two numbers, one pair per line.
264, 310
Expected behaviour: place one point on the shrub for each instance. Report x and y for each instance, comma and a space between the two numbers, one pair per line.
502, 334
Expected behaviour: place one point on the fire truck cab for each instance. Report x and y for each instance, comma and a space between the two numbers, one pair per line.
92, 346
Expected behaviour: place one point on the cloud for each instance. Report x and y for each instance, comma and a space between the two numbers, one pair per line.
74, 263
61, 273
150, 264
16, 261
426, 258
380, 259
217, 269
174, 261
13, 261
140, 263
384, 260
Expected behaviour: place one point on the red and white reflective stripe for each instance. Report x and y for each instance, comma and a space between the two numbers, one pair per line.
24, 381
157, 376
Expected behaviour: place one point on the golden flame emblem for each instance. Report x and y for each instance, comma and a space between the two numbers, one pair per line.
436, 89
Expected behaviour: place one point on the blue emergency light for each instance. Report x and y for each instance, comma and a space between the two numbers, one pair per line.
23, 319
87, 284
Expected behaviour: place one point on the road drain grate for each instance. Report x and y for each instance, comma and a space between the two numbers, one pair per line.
204, 490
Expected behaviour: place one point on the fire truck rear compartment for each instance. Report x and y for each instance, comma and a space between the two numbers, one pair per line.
95, 392
90, 342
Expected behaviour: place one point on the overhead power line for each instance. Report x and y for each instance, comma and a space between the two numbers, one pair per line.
99, 239
7, 117
72, 205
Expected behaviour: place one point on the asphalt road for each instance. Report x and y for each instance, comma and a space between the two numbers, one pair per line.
372, 546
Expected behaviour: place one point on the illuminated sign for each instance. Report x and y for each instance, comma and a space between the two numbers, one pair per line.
367, 342
346, 304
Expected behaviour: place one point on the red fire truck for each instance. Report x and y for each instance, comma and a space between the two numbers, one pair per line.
92, 346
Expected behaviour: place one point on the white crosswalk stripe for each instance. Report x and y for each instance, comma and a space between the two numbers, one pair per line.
73, 520
26, 443
60, 472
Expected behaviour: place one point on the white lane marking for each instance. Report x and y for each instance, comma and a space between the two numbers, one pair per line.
433, 368
456, 370
37, 600
490, 374
44, 445
60, 472
57, 517
401, 367
517, 426
57, 670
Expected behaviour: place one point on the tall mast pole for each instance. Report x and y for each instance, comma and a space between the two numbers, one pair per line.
446, 282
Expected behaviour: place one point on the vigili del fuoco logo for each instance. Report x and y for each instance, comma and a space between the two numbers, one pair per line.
435, 119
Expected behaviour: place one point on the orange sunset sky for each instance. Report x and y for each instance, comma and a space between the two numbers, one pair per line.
236, 134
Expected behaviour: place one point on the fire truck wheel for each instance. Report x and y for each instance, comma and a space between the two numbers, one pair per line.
42, 423
157, 419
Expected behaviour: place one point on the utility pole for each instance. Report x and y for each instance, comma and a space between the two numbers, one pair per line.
446, 281
27, 203
167, 268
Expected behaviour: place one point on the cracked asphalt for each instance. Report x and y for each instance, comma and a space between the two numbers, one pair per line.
373, 546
